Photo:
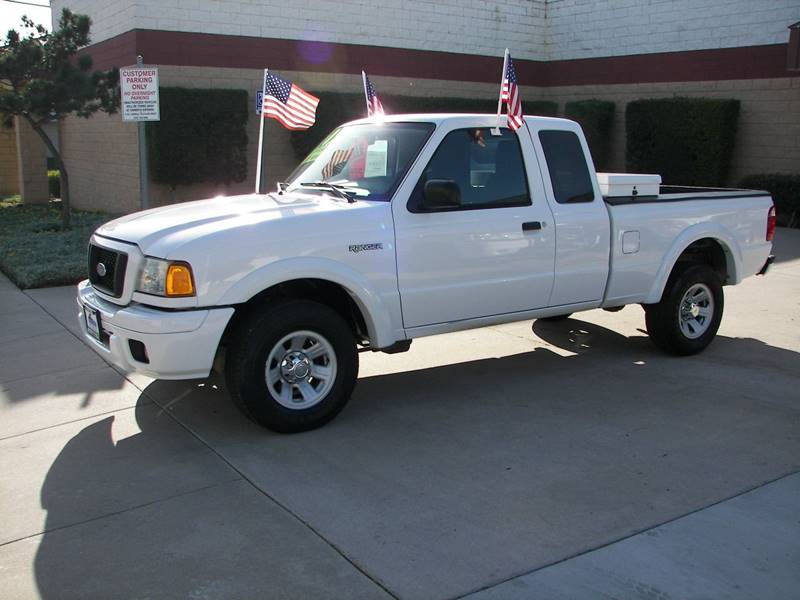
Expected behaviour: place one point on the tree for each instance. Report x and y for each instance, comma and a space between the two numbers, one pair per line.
42, 79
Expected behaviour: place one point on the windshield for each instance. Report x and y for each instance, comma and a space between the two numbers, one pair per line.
367, 161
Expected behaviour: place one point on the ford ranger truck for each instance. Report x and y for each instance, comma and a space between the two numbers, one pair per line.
413, 226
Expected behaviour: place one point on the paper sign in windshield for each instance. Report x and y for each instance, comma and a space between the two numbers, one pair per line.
376, 159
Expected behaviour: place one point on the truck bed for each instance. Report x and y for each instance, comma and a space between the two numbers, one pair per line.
660, 229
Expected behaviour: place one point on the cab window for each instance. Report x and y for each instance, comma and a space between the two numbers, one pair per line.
487, 169
566, 164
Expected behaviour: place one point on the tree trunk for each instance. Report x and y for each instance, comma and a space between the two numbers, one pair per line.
66, 213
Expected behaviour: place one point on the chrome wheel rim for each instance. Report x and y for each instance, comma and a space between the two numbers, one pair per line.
696, 311
300, 370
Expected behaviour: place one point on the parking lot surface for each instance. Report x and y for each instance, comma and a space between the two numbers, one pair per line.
544, 460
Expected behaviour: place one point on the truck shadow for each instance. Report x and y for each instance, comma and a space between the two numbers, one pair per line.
570, 440
786, 247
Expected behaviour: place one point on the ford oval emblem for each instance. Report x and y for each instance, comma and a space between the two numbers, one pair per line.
101, 269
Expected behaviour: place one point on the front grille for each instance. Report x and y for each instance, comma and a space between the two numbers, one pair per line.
113, 278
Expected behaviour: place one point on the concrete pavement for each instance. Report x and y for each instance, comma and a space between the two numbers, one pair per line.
104, 494
746, 547
561, 460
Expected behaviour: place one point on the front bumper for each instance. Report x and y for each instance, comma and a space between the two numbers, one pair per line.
178, 344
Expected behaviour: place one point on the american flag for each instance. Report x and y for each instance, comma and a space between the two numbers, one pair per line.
374, 106
510, 95
336, 163
290, 104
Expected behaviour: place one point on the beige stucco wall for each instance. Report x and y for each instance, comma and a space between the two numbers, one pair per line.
31, 164
102, 159
9, 175
768, 139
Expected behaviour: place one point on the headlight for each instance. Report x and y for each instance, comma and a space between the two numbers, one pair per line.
166, 278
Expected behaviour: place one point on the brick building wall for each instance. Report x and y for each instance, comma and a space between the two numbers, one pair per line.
471, 26
564, 50
595, 28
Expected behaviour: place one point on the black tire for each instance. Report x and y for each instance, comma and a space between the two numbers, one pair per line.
664, 319
555, 318
259, 335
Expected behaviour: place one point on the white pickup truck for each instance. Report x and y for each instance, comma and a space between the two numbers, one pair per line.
413, 226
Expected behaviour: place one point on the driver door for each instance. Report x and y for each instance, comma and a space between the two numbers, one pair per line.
491, 253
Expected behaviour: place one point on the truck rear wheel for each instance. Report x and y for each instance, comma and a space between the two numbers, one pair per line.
292, 366
688, 316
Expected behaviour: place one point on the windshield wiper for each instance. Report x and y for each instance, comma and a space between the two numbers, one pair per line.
324, 185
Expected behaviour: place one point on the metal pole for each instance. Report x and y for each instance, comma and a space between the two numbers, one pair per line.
366, 95
262, 125
496, 129
144, 173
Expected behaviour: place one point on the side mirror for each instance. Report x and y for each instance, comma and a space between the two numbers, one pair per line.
441, 193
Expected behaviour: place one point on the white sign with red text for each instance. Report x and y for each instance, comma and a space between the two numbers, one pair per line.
139, 93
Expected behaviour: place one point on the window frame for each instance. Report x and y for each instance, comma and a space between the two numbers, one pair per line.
414, 204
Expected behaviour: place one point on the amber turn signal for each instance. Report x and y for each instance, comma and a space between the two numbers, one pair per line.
179, 280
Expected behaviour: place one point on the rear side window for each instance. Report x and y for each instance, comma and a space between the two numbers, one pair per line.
488, 170
566, 164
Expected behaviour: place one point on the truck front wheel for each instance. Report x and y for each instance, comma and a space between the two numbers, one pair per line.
688, 316
292, 365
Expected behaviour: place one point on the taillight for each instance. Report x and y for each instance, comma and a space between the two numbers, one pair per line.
771, 223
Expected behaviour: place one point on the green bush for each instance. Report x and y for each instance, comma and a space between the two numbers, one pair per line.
785, 190
36, 252
688, 141
596, 117
336, 108
54, 183
202, 136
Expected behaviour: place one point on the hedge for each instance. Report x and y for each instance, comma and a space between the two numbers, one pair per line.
785, 190
596, 117
202, 136
336, 108
688, 141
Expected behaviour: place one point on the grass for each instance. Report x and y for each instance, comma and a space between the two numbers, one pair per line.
35, 252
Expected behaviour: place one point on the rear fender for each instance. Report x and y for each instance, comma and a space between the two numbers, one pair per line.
699, 231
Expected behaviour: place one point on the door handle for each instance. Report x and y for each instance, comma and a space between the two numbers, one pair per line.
531, 226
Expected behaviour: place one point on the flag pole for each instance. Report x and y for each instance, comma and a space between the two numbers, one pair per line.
496, 129
366, 95
262, 125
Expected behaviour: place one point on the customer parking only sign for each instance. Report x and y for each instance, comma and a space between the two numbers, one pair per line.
139, 93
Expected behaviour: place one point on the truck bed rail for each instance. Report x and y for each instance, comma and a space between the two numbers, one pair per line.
675, 193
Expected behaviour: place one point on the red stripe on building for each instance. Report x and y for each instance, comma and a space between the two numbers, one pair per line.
227, 51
